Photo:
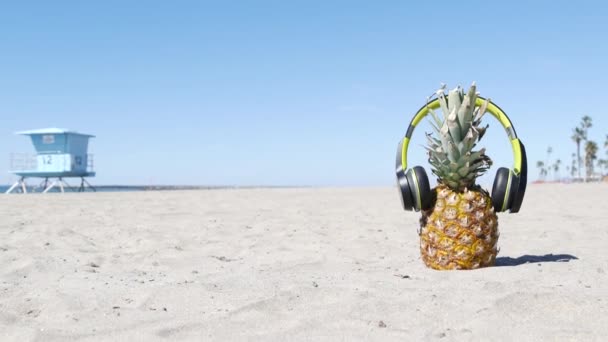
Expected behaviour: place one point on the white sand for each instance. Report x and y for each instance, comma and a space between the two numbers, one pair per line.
292, 264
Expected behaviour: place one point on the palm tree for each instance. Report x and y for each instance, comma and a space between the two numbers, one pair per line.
586, 123
556, 166
578, 135
548, 162
590, 156
584, 126
573, 167
542, 172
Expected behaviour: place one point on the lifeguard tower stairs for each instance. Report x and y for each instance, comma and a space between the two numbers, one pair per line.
60, 154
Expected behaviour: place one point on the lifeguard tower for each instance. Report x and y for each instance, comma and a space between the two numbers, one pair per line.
60, 153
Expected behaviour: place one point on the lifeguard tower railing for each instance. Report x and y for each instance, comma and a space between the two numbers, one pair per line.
29, 165
25, 162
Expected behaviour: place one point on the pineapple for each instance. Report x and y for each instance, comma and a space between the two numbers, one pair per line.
460, 230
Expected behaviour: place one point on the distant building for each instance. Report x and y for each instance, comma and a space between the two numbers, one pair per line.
60, 154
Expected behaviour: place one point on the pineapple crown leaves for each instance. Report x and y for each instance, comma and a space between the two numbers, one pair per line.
458, 130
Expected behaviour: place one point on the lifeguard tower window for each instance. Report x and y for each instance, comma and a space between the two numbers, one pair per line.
60, 153
48, 139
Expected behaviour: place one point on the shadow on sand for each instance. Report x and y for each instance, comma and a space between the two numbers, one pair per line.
526, 259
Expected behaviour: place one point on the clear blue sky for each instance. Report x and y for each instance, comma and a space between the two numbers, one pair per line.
291, 92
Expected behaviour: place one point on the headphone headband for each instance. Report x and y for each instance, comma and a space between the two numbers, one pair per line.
492, 109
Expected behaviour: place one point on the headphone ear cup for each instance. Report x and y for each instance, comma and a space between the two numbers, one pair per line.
513, 189
522, 180
500, 197
405, 191
420, 188
425, 188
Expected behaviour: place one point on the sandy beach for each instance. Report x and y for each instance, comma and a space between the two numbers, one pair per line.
330, 264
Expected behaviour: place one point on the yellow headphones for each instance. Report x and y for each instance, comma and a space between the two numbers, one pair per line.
509, 185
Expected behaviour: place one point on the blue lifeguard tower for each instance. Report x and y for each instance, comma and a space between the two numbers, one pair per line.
60, 153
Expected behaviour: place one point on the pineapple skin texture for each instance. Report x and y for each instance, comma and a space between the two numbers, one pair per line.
460, 231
